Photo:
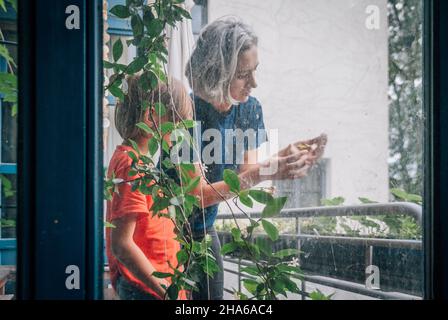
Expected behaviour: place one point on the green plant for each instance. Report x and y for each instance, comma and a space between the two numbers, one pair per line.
398, 226
272, 272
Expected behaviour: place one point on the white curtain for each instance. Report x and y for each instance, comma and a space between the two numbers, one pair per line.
180, 46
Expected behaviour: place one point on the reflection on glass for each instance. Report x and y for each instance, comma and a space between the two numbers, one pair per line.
351, 69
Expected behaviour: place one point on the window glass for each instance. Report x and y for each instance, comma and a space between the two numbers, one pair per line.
349, 69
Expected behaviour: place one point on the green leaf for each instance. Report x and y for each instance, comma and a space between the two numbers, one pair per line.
273, 207
232, 180
278, 286
7, 223
270, 229
120, 11
108, 65
261, 196
134, 146
148, 80
187, 167
168, 164
155, 27
117, 50
182, 257
288, 269
165, 146
167, 127
228, 248
8, 79
286, 253
399, 193
173, 292
160, 109
264, 245
5, 54
333, 202
366, 200
153, 146
192, 184
147, 18
236, 234
161, 275
136, 65
289, 284
251, 270
250, 285
318, 295
184, 13
2, 4
145, 127
116, 92
209, 265
244, 198
137, 25
415, 198
188, 124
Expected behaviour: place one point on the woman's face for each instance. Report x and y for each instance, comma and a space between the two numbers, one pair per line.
244, 80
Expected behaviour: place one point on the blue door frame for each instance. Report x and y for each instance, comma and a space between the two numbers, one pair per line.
60, 150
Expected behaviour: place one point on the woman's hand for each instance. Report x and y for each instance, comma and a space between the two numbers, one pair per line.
315, 146
293, 164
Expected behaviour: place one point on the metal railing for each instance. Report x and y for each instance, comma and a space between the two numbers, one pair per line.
397, 208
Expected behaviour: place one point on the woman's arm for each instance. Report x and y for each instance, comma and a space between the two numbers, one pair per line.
250, 175
131, 256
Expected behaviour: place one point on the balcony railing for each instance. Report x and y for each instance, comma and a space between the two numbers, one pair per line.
351, 289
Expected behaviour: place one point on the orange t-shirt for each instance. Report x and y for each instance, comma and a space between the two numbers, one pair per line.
153, 235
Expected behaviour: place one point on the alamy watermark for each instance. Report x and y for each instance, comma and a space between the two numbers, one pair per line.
373, 277
213, 146
72, 282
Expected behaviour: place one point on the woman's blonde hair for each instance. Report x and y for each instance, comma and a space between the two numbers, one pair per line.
132, 111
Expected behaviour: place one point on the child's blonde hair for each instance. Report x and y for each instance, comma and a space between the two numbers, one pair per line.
131, 111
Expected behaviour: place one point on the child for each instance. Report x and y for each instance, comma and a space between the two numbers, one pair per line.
140, 244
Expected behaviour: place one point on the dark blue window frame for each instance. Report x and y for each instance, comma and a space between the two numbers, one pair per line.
436, 149
60, 150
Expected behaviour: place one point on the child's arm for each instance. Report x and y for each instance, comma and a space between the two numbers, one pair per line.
131, 256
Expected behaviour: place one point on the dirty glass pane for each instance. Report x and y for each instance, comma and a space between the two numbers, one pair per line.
351, 70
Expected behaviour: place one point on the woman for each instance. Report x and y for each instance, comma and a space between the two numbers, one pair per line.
221, 71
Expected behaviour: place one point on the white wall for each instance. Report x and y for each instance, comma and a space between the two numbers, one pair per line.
322, 70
